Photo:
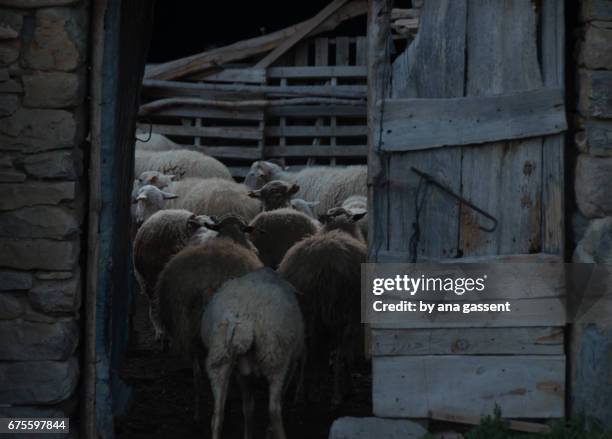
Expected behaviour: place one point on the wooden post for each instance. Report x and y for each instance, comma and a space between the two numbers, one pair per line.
95, 206
378, 61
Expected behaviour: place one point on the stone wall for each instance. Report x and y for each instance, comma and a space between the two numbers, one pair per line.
43, 123
592, 222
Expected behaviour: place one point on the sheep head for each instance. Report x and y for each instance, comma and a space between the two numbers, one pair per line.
233, 227
149, 200
275, 194
262, 172
339, 218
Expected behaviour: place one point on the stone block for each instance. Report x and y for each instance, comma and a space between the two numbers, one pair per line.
596, 10
41, 254
11, 176
598, 137
59, 40
11, 307
53, 89
56, 296
28, 341
375, 428
37, 382
54, 275
9, 51
595, 93
8, 104
593, 185
32, 130
15, 280
14, 196
39, 222
66, 164
596, 51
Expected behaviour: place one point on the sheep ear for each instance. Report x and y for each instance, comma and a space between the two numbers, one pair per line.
294, 189
193, 222
152, 179
254, 194
264, 169
141, 197
357, 216
168, 195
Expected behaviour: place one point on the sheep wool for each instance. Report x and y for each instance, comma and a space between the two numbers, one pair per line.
184, 163
188, 281
253, 324
277, 231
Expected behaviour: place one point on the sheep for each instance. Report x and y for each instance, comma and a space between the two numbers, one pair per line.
149, 199
325, 269
306, 207
184, 163
155, 143
358, 204
276, 231
188, 281
162, 236
275, 194
329, 185
339, 218
252, 326
218, 197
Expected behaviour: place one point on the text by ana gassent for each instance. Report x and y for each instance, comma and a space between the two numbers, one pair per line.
413, 285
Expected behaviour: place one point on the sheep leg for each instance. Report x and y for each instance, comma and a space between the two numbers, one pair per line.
276, 384
197, 381
219, 377
248, 405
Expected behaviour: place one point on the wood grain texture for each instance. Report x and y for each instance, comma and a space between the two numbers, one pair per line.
523, 386
416, 124
433, 66
503, 178
469, 341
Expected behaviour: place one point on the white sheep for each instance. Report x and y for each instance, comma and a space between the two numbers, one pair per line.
182, 163
306, 207
252, 327
328, 185
154, 142
149, 199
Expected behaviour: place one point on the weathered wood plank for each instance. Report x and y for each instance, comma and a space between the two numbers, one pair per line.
361, 51
246, 75
527, 427
301, 54
469, 341
318, 72
504, 179
317, 151
523, 386
211, 113
433, 66
319, 110
553, 166
400, 257
229, 152
197, 89
316, 131
416, 124
234, 132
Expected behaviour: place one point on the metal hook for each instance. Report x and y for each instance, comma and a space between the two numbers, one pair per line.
462, 200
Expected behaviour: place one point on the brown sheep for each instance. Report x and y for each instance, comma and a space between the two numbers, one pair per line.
189, 280
276, 231
326, 270
162, 236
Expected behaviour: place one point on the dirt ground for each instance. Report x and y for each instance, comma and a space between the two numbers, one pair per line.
162, 400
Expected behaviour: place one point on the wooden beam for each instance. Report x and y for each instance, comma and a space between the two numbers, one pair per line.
316, 131
233, 132
246, 75
192, 88
530, 386
229, 152
316, 151
416, 124
311, 111
243, 49
318, 72
211, 113
303, 30
162, 104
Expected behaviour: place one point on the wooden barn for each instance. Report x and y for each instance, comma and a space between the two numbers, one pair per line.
486, 128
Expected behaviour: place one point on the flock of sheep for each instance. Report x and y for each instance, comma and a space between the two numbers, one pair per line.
259, 279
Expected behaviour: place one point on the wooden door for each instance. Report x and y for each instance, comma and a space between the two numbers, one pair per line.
476, 101
476, 105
